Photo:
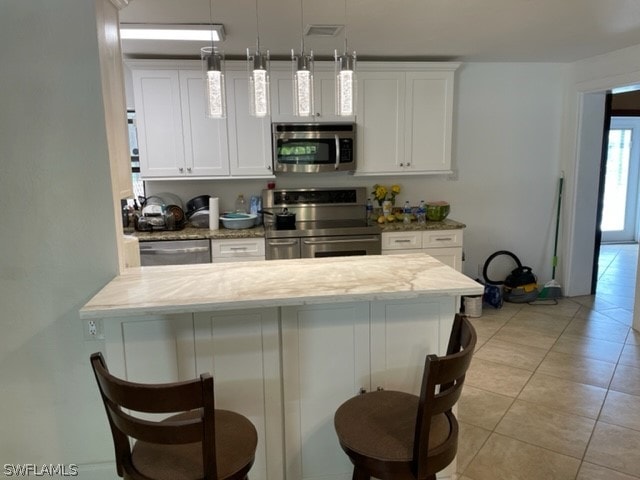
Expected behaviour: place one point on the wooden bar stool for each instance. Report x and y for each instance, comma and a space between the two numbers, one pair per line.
395, 435
198, 443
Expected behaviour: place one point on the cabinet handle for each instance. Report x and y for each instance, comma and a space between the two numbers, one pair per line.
403, 240
408, 164
379, 388
189, 169
181, 170
362, 391
444, 239
402, 164
237, 248
268, 167
317, 114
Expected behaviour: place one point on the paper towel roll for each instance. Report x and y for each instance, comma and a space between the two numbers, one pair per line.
214, 213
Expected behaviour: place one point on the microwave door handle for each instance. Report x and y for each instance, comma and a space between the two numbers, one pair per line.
337, 151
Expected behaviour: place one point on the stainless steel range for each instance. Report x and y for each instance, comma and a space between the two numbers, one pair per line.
329, 222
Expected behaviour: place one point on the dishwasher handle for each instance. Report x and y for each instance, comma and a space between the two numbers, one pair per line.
172, 251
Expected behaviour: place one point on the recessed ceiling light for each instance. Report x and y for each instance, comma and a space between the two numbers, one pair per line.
323, 30
192, 32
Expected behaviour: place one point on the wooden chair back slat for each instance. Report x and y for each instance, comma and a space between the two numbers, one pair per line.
193, 395
442, 382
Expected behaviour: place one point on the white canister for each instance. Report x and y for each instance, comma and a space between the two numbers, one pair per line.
473, 306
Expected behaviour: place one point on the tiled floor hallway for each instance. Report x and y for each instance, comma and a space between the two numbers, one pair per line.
553, 392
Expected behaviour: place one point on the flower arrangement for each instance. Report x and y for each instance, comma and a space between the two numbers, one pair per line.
380, 193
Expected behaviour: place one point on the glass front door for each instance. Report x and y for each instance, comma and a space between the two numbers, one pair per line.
619, 211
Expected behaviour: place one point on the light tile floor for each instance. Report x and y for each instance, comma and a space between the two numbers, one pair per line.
553, 391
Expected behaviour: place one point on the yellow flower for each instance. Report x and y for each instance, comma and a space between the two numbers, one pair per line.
395, 189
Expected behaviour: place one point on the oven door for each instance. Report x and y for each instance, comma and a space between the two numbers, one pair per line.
341, 246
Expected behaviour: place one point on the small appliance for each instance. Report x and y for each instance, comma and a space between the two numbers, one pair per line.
314, 147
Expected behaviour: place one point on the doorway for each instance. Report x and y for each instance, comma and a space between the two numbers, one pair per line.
620, 197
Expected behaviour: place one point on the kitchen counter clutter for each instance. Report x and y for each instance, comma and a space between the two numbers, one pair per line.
192, 233
287, 341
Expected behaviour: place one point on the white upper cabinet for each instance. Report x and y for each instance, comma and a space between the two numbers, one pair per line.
159, 122
175, 138
249, 137
405, 118
205, 139
324, 88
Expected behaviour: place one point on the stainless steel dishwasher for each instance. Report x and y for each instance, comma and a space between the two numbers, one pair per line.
175, 252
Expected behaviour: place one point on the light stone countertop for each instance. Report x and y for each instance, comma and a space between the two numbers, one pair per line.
228, 286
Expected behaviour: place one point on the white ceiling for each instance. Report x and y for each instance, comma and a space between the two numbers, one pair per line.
463, 30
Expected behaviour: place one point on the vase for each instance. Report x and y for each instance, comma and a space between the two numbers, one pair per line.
387, 205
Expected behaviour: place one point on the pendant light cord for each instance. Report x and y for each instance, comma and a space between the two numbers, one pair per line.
301, 27
257, 29
345, 26
211, 22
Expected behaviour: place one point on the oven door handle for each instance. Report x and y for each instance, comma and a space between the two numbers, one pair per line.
347, 240
337, 137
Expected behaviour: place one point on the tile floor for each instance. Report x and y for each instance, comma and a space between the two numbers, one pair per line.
553, 392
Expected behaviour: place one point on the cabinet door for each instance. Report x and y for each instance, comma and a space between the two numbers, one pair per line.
325, 361
324, 87
429, 103
205, 139
249, 137
241, 350
381, 117
403, 332
449, 256
159, 117
237, 250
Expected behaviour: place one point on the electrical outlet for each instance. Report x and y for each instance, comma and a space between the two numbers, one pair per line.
93, 330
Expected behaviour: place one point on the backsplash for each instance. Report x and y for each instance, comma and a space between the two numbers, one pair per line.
414, 188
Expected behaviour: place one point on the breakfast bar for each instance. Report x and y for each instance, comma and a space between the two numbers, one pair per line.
287, 341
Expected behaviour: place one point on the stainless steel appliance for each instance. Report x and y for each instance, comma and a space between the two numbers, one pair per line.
330, 222
175, 252
314, 147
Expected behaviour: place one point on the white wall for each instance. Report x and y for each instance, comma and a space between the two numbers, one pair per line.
57, 240
507, 122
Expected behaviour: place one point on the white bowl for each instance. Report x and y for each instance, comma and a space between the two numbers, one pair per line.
238, 220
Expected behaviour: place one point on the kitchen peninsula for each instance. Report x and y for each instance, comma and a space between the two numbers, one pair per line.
286, 341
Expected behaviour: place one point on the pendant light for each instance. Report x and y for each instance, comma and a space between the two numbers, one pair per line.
345, 74
302, 67
213, 74
258, 70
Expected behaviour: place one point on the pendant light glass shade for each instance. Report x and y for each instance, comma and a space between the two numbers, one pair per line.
346, 94
302, 66
259, 90
214, 86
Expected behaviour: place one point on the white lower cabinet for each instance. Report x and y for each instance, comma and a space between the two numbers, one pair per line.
237, 250
444, 245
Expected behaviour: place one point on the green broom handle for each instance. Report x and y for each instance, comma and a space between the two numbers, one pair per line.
555, 242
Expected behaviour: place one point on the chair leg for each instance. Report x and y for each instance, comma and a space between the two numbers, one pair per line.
359, 474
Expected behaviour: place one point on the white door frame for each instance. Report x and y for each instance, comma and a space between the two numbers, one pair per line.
583, 150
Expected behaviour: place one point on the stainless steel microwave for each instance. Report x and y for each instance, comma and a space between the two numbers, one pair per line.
314, 147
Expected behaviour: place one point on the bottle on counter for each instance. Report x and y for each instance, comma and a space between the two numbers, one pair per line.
241, 204
422, 213
369, 211
407, 212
